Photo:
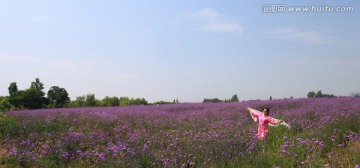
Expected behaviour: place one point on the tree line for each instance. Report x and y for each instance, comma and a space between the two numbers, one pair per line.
319, 94
234, 98
90, 101
34, 97
357, 94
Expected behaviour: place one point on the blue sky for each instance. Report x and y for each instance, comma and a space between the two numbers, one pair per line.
189, 50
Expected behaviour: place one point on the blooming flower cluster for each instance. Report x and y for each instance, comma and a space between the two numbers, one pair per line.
180, 135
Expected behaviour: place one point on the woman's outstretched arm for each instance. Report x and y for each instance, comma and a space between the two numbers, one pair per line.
253, 113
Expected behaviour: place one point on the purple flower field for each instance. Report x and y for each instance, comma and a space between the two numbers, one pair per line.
324, 133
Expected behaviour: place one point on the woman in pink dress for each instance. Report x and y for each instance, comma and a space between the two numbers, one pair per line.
264, 121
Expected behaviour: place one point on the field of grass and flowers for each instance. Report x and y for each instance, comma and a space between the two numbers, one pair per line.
325, 133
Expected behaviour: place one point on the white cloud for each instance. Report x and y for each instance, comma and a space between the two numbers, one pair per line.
42, 18
212, 21
309, 37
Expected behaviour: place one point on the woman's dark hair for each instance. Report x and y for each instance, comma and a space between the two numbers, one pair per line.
268, 110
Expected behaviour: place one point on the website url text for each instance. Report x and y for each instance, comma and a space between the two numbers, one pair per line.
281, 8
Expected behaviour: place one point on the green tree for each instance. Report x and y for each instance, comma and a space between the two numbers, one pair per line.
38, 86
357, 94
33, 99
319, 94
4, 104
124, 101
234, 98
58, 97
214, 100
110, 101
12, 88
90, 100
80, 101
164, 102
15, 97
140, 101
311, 94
